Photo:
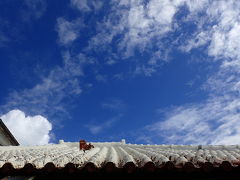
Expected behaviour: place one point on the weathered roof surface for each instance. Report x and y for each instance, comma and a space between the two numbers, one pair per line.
119, 154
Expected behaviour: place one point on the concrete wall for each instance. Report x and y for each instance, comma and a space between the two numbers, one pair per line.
4, 140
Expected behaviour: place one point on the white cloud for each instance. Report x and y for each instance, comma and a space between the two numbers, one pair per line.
145, 70
68, 31
200, 39
142, 25
86, 5
219, 27
215, 120
28, 130
142, 22
195, 6
162, 11
137, 26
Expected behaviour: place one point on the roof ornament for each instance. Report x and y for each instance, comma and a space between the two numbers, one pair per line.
123, 141
84, 146
61, 141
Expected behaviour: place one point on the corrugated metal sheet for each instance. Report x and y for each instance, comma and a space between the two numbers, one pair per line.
119, 155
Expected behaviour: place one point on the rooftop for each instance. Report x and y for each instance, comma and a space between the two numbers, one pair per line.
119, 155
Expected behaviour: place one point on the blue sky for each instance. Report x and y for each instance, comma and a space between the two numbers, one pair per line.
156, 71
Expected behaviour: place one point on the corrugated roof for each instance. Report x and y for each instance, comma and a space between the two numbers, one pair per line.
119, 155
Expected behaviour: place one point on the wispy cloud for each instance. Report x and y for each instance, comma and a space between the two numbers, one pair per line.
96, 128
152, 28
33, 9
86, 5
114, 104
101, 78
3, 39
48, 97
137, 27
128, 28
12, 29
215, 120
68, 31
8, 32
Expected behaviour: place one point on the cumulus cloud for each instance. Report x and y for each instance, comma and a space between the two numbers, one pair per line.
28, 130
68, 31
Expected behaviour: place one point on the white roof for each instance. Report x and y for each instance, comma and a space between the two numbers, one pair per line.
117, 153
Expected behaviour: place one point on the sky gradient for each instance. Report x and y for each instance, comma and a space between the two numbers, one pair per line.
155, 71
